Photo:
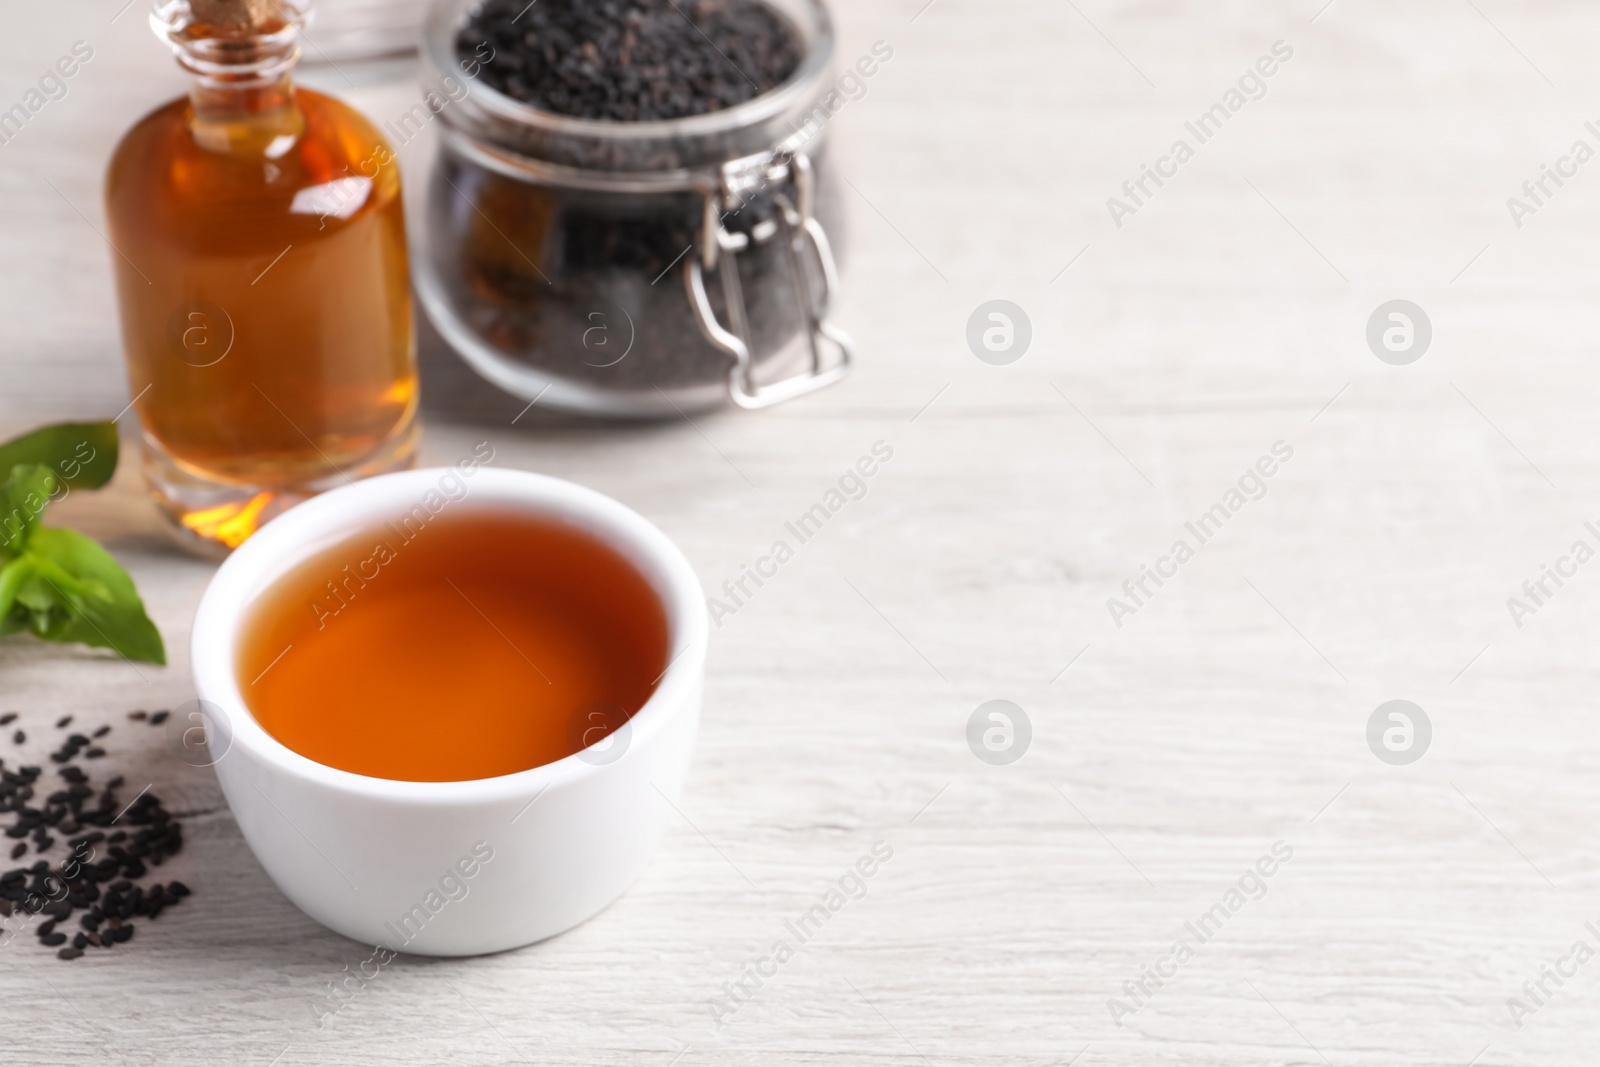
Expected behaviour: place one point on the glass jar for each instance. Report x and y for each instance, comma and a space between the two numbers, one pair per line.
633, 268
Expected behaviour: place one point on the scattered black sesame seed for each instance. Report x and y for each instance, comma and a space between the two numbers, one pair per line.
94, 753
63, 722
8, 718
137, 715
19, 737
158, 718
101, 732
98, 878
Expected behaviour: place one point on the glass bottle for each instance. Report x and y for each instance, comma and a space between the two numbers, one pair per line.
262, 279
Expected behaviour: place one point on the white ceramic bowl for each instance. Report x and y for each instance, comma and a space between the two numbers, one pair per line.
452, 868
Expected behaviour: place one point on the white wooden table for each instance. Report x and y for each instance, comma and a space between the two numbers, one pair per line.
1229, 713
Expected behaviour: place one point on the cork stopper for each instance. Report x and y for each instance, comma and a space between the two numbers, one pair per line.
236, 16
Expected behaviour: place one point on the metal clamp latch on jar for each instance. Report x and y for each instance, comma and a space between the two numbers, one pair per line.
796, 226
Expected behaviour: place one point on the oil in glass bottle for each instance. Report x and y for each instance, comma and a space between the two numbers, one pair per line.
262, 280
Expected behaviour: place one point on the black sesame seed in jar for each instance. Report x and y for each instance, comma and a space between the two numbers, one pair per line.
630, 60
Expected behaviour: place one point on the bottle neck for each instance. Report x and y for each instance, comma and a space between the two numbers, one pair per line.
249, 119
242, 95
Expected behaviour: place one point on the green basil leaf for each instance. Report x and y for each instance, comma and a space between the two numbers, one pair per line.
12, 617
75, 591
23, 496
34, 604
83, 453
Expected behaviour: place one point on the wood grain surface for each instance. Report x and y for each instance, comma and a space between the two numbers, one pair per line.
1225, 314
